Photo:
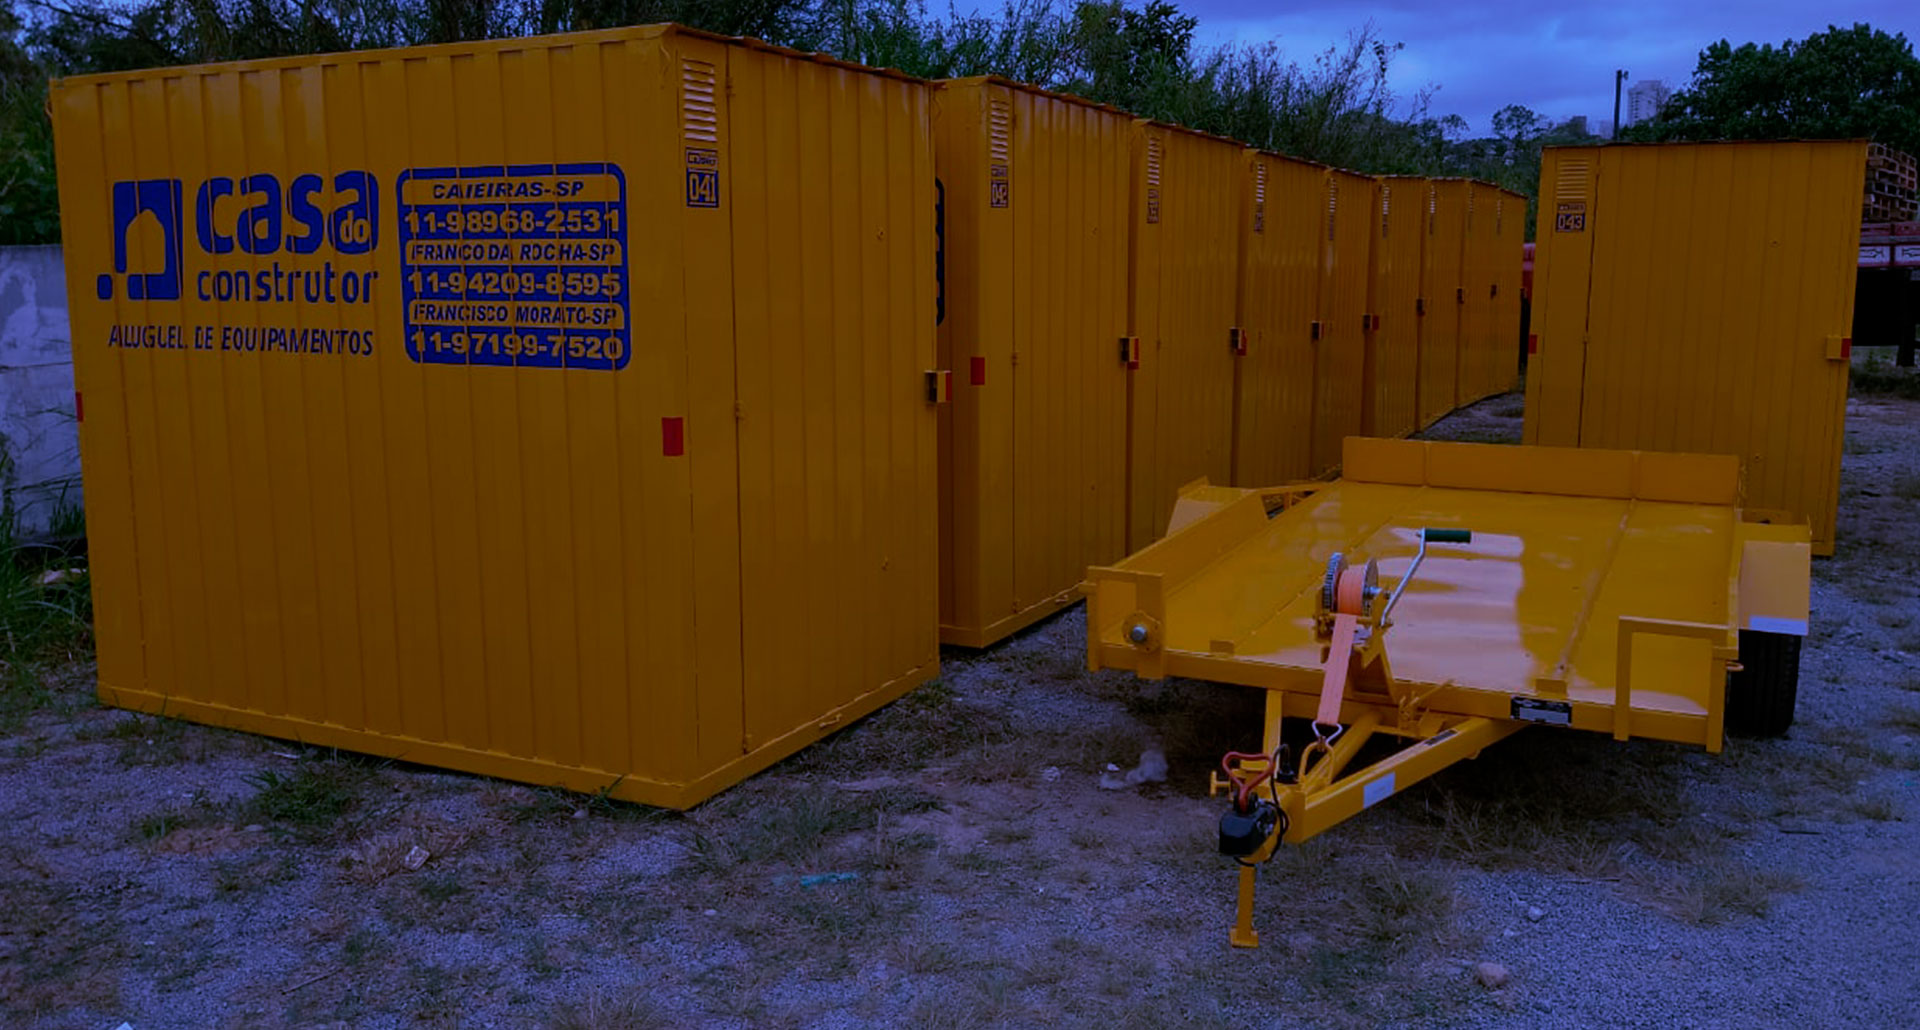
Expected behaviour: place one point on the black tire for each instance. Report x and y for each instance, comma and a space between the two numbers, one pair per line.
1761, 695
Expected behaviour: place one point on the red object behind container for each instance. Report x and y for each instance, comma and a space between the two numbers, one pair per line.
1526, 272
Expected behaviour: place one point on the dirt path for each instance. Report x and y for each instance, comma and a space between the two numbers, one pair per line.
953, 862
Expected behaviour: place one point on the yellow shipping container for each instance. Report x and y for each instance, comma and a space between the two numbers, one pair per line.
1393, 346
1444, 294
554, 409
1185, 268
1509, 254
1283, 235
1473, 376
1340, 348
1699, 297
1034, 190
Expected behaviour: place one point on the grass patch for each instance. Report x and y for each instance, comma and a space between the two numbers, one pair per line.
1904, 718
1874, 809
198, 811
315, 799
241, 877
925, 727
1713, 892
62, 949
802, 827
603, 1012
46, 621
1558, 801
1879, 376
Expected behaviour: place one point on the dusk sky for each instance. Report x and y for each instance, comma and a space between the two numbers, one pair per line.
1555, 58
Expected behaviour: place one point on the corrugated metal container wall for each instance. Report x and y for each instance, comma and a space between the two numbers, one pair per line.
1033, 475
1281, 230
1510, 230
1712, 285
1340, 354
376, 457
1393, 348
1186, 223
1444, 294
1474, 377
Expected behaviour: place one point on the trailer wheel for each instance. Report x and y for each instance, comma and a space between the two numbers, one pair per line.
1760, 696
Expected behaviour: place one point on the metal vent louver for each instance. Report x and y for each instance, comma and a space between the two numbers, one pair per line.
699, 116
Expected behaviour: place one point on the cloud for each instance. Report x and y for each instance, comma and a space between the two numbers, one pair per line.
1479, 57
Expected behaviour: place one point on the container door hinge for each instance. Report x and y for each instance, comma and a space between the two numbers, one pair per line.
1839, 348
1130, 351
1460, 295
1316, 331
1237, 339
1419, 306
939, 385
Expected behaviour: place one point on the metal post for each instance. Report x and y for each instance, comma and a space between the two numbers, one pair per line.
1619, 79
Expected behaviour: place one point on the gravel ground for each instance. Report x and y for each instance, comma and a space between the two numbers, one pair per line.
954, 862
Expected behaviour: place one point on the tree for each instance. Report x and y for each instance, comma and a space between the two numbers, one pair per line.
29, 205
1849, 83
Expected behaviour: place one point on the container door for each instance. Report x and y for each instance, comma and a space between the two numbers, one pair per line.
1718, 311
1563, 264
1068, 200
833, 253
1280, 295
1444, 296
976, 333
1340, 352
1185, 275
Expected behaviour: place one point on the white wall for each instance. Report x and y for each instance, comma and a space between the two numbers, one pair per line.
37, 428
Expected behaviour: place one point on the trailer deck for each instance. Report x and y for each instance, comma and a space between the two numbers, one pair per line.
1595, 590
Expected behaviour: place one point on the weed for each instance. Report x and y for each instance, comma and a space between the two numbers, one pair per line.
239, 877
1009, 834
62, 950
602, 1012
1396, 903
1904, 718
977, 861
439, 887
925, 727
1855, 446
198, 811
1713, 892
46, 621
313, 798
365, 946
921, 958
1877, 375
1875, 809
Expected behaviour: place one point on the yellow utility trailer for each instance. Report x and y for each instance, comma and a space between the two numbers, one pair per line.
1453, 594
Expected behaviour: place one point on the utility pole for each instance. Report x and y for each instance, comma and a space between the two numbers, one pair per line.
1619, 79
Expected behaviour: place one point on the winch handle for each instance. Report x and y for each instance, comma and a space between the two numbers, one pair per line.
1428, 535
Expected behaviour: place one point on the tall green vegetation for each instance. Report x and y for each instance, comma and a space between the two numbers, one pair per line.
1844, 83
1138, 55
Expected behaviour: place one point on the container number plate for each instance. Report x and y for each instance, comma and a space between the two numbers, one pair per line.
1570, 216
1553, 713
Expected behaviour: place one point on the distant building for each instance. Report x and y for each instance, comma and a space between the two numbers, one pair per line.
1644, 100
